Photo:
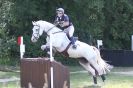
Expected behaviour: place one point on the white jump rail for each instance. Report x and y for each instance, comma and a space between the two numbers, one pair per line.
22, 51
51, 59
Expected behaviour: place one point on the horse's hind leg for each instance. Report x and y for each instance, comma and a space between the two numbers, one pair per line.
95, 65
89, 69
103, 77
95, 79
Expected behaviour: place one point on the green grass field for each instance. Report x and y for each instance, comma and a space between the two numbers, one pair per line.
113, 80
84, 80
80, 80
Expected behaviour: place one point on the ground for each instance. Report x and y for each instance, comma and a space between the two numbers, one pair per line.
119, 77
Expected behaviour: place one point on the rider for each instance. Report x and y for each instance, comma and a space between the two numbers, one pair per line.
63, 21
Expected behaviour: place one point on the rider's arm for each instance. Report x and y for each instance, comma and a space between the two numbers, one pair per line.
56, 22
65, 22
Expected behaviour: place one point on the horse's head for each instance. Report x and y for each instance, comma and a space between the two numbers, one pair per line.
37, 31
43, 26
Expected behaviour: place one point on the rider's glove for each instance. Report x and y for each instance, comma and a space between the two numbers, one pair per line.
56, 22
59, 23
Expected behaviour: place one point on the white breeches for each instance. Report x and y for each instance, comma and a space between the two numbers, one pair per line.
69, 30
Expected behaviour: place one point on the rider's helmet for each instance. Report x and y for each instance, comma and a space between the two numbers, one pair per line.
60, 10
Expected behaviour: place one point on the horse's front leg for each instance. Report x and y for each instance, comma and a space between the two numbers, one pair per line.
47, 49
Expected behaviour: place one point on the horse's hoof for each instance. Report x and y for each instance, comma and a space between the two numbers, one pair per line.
95, 85
43, 47
103, 83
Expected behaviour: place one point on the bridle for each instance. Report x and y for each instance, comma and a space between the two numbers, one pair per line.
37, 33
38, 30
51, 29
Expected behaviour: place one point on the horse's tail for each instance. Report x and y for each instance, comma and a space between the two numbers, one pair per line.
105, 66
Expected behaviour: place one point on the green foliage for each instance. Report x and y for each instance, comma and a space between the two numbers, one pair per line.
6, 43
118, 24
111, 21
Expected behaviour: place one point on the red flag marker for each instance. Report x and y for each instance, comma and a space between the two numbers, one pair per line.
22, 46
19, 40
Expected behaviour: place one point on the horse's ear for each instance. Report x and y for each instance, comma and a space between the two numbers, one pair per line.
33, 22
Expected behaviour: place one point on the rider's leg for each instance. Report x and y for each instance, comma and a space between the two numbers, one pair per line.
70, 31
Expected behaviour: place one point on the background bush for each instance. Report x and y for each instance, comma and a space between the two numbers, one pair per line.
109, 20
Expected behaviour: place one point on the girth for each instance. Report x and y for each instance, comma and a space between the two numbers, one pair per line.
65, 53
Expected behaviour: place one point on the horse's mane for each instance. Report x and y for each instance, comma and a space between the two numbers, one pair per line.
42, 22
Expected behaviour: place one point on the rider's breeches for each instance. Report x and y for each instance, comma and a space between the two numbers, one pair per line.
69, 30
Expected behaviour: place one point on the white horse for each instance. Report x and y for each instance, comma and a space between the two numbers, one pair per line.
88, 56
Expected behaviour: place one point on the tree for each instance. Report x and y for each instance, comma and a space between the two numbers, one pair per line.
5, 41
110, 21
118, 24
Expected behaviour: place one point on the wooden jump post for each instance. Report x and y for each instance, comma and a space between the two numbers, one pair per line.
42, 72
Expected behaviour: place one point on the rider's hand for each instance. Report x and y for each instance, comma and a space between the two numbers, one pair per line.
61, 23
56, 23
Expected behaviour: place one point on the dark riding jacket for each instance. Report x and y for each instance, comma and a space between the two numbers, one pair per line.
61, 19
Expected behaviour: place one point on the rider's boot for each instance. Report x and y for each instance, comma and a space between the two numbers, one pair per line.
73, 42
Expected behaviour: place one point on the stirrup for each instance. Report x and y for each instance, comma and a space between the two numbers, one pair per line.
74, 46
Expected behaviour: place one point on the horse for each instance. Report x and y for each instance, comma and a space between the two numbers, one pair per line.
89, 56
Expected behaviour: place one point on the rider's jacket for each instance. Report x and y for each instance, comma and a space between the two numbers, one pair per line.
61, 19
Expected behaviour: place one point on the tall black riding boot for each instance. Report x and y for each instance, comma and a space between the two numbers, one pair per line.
73, 42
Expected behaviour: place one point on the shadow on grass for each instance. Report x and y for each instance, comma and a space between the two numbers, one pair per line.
92, 86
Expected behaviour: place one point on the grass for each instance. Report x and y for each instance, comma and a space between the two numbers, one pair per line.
83, 80
79, 80
9, 75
